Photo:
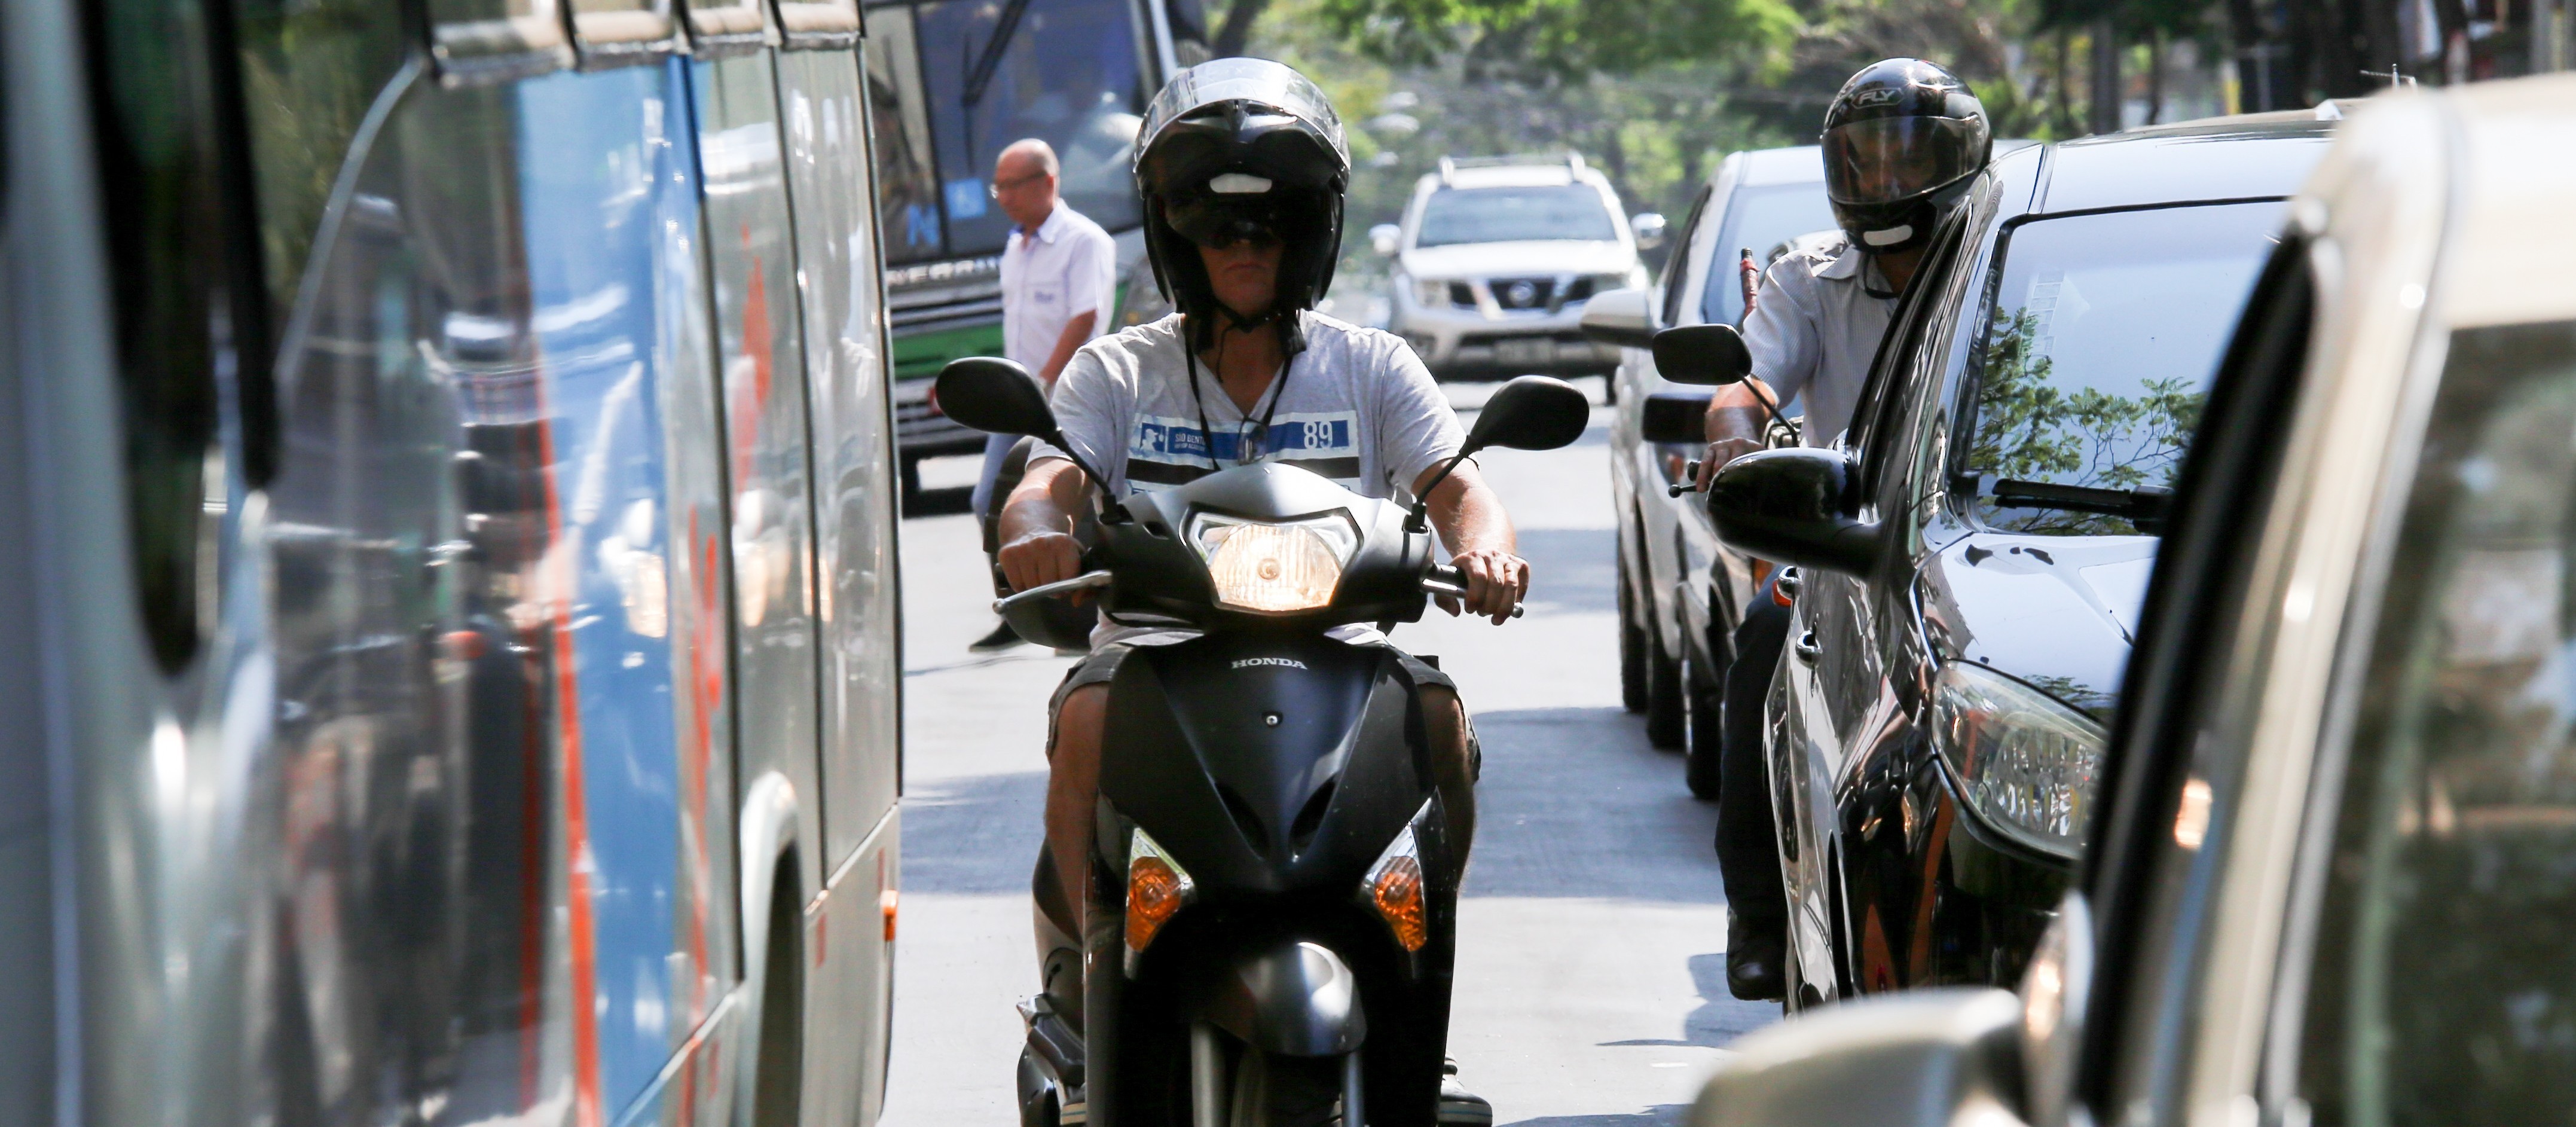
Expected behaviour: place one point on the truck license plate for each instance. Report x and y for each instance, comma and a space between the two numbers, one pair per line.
1539, 350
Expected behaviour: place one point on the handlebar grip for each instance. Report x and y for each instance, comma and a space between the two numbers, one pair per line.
1443, 579
1689, 482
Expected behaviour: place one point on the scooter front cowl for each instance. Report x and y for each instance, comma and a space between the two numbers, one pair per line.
1265, 764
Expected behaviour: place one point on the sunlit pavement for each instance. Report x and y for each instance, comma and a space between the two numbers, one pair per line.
1591, 975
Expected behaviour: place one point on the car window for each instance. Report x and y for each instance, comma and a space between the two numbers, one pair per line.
1508, 215
2443, 983
2105, 330
1761, 220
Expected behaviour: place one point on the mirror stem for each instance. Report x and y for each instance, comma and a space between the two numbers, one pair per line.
1109, 511
1422, 504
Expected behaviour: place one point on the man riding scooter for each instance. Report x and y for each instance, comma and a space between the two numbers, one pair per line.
1903, 141
1242, 167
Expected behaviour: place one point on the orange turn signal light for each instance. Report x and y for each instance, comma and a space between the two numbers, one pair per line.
1154, 894
1397, 893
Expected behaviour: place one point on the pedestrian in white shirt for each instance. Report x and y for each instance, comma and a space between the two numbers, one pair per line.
1059, 275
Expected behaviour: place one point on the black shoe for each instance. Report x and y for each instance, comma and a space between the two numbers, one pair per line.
1458, 1105
1002, 638
1755, 961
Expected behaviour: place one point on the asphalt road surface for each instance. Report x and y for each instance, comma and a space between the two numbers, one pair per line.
1591, 985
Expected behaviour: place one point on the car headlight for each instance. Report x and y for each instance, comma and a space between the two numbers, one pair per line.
1262, 566
1431, 292
2026, 760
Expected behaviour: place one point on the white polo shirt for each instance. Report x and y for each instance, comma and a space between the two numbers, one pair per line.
1070, 269
1814, 329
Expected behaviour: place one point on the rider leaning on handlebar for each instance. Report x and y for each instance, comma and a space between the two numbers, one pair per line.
1902, 142
1242, 169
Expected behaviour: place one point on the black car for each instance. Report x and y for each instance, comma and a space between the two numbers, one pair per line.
1961, 626
2334, 872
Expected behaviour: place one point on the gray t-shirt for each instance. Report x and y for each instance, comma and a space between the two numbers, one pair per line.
1356, 406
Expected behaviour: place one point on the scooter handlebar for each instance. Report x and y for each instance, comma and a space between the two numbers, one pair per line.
1443, 579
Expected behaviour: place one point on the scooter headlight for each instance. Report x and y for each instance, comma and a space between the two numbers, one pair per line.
1262, 566
1157, 889
2026, 760
1394, 887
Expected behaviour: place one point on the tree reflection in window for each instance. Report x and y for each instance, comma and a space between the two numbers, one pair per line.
2030, 428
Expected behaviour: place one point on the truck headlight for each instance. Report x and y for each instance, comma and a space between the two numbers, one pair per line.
1261, 566
2025, 760
1431, 292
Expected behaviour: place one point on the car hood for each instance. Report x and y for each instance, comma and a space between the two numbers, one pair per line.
1524, 259
2059, 612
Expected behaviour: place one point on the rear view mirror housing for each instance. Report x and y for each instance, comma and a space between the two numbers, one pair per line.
1385, 238
1674, 416
1531, 413
1648, 227
1795, 506
1923, 1059
1702, 354
996, 396
1621, 317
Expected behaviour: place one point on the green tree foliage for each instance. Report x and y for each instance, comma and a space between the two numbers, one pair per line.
1566, 38
2030, 427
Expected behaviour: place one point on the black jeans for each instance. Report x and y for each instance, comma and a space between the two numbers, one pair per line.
1748, 850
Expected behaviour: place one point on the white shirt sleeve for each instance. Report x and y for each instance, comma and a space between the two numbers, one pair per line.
1416, 429
1090, 276
1093, 408
1781, 333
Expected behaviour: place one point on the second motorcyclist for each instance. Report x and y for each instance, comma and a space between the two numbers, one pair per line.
1903, 141
1242, 167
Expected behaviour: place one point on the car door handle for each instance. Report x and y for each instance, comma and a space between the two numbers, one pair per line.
1806, 647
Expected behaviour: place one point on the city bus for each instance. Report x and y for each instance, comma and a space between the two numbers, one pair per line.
951, 82
450, 611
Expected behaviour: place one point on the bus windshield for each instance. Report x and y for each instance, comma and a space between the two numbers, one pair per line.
1068, 72
1510, 215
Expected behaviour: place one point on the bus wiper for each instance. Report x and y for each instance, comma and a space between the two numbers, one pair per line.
979, 77
2144, 506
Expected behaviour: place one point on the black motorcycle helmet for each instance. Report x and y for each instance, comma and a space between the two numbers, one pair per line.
1903, 141
1242, 149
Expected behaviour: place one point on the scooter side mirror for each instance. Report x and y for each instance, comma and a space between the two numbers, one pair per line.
1702, 354
994, 395
1531, 413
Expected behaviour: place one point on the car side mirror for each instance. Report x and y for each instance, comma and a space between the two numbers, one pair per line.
994, 395
1385, 237
1622, 317
1531, 413
1922, 1059
1702, 354
2056, 997
1648, 227
1674, 416
1795, 506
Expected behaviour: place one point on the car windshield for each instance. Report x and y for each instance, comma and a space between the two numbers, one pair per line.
2106, 331
1510, 215
1068, 74
1761, 220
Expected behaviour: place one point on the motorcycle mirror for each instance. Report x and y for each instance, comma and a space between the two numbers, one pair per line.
994, 395
1531, 413
1702, 354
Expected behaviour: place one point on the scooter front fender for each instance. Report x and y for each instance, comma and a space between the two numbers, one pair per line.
1292, 998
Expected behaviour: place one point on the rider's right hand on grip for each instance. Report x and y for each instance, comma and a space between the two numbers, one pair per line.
1443, 579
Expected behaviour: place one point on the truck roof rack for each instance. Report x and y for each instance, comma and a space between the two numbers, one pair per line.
1449, 166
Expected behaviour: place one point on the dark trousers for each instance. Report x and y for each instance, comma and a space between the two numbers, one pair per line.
1748, 849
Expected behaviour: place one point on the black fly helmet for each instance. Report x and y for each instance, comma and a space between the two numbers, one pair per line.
1902, 143
1240, 149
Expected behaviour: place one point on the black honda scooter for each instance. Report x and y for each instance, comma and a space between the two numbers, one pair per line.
1273, 915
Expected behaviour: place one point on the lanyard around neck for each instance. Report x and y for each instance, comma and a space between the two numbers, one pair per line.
1207, 434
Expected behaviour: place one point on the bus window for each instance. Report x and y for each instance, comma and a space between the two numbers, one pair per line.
1069, 73
907, 185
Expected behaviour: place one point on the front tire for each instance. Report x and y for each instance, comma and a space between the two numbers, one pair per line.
1704, 730
1664, 695
1635, 652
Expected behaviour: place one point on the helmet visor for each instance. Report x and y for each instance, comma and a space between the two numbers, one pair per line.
1216, 222
1886, 159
